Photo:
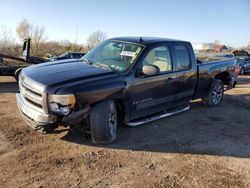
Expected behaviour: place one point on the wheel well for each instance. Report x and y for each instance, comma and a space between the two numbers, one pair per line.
224, 77
121, 108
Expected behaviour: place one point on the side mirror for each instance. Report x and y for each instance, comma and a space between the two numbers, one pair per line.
150, 70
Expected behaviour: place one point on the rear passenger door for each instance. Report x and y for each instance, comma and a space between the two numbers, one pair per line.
186, 72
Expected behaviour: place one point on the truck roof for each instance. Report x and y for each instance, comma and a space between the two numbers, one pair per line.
145, 40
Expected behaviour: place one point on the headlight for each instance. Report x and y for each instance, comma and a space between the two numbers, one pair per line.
62, 110
63, 100
61, 104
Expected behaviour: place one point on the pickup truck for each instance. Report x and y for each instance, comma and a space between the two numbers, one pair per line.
243, 59
128, 80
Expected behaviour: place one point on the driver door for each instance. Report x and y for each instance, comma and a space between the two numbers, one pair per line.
154, 93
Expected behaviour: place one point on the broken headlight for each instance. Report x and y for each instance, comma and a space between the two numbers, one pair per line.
61, 104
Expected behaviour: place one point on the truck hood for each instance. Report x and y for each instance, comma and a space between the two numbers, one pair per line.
53, 75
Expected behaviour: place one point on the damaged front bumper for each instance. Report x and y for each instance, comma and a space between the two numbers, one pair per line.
31, 116
77, 117
37, 120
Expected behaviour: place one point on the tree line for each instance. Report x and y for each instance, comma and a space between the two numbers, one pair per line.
40, 46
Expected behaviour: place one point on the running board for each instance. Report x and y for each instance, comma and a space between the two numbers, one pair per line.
154, 118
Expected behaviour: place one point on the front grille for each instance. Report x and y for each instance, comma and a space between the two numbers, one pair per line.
33, 98
34, 103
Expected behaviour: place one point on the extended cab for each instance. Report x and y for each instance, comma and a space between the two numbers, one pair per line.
128, 80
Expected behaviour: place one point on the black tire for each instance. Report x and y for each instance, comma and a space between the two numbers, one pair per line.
103, 122
242, 71
215, 94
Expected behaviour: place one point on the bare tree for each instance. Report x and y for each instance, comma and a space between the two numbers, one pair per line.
23, 29
37, 34
37, 37
39, 47
95, 38
7, 41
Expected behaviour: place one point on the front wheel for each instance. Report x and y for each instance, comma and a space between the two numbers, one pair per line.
215, 94
103, 122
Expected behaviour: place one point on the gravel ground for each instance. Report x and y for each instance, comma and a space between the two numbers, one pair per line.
203, 147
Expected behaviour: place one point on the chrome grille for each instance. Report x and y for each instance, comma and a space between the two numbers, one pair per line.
33, 98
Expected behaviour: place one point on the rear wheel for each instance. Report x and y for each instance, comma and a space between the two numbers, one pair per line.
215, 94
242, 71
103, 122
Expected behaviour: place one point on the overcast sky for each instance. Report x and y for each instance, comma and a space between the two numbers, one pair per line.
197, 21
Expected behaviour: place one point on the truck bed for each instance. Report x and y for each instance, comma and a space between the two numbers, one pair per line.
9, 70
9, 66
221, 64
207, 71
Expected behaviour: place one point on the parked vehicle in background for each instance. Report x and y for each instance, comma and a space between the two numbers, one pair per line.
26, 59
228, 55
48, 56
128, 80
68, 55
243, 59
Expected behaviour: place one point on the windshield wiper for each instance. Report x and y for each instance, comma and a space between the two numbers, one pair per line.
86, 60
91, 62
102, 66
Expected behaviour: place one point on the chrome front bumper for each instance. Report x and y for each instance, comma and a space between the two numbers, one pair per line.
32, 117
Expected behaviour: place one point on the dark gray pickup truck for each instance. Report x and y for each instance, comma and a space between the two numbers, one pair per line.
129, 80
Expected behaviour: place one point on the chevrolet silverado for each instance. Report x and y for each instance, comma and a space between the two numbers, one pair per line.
129, 80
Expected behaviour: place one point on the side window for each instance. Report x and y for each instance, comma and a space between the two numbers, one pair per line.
182, 57
76, 56
68, 56
160, 57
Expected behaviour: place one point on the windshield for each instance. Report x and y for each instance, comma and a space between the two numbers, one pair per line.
116, 55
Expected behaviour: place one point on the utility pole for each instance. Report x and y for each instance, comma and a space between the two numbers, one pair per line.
76, 33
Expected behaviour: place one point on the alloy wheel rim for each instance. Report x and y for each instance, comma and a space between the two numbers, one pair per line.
217, 93
112, 119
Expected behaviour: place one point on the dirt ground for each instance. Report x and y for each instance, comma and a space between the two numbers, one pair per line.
203, 147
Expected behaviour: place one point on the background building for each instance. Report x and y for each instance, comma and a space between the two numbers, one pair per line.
210, 47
